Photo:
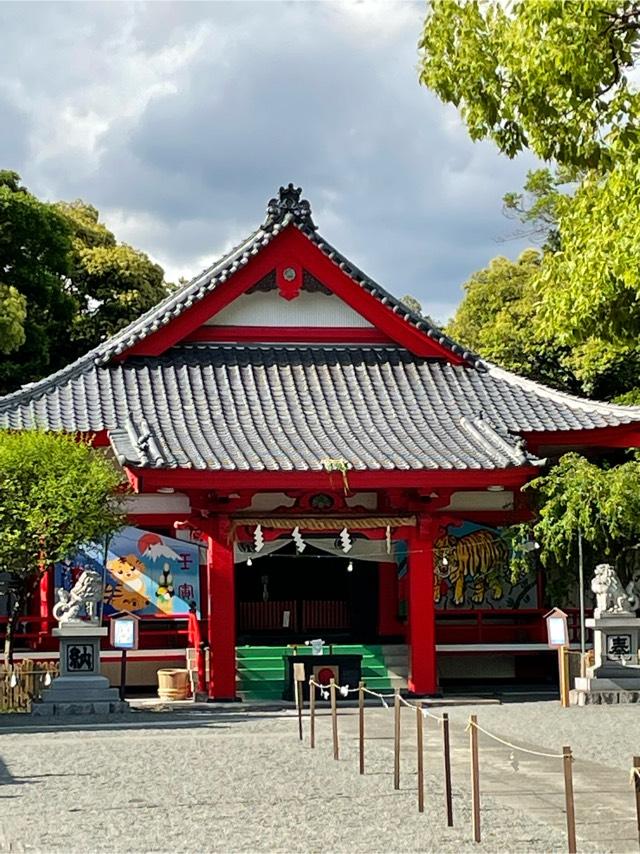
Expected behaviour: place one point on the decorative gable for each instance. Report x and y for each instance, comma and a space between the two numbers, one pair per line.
286, 256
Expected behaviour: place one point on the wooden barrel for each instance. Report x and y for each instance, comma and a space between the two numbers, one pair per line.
173, 684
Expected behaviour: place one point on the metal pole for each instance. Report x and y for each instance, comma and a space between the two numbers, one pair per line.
583, 639
123, 674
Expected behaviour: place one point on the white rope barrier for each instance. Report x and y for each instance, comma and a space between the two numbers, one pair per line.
471, 723
343, 690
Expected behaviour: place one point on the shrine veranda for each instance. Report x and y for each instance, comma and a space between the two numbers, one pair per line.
308, 458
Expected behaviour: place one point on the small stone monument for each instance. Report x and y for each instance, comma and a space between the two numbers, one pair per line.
80, 689
615, 676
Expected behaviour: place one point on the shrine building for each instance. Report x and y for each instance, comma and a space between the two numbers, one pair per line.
344, 467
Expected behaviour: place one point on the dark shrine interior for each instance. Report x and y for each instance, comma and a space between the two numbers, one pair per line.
344, 586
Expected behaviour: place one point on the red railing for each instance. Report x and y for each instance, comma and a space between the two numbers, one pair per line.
329, 614
500, 626
266, 616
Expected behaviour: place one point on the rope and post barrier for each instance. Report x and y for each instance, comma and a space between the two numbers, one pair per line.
420, 749
396, 739
635, 777
567, 764
475, 777
473, 727
334, 719
298, 675
446, 750
361, 726
312, 714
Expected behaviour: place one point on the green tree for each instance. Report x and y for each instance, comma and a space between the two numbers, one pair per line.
112, 283
497, 318
550, 76
65, 283
56, 493
554, 77
600, 503
35, 311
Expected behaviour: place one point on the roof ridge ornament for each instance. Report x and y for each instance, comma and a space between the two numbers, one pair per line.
289, 201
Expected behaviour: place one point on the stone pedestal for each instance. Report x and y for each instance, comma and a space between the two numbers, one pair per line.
615, 676
80, 689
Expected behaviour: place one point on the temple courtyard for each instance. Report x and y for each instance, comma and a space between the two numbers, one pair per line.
229, 779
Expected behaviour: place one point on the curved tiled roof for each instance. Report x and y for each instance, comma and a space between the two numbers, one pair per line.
287, 210
287, 407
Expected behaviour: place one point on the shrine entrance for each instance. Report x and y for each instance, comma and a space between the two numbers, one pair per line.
287, 597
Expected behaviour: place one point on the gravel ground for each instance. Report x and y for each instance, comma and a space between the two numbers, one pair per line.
227, 783
609, 735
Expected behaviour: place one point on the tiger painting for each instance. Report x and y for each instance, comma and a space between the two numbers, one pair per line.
478, 558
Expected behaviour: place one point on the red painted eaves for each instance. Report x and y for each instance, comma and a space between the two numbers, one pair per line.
149, 480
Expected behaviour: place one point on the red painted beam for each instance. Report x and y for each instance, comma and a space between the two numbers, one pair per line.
302, 334
624, 436
149, 480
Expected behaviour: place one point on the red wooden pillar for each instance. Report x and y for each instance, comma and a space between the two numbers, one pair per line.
388, 600
222, 613
46, 583
422, 616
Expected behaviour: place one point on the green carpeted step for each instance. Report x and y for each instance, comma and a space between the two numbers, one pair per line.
261, 669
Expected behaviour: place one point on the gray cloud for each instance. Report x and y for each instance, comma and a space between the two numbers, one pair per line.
179, 120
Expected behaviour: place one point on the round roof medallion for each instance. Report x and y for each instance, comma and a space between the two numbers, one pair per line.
321, 501
289, 274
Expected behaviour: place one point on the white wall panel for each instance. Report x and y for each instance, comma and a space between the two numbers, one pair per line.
270, 309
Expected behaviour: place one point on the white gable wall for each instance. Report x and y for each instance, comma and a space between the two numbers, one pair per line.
270, 309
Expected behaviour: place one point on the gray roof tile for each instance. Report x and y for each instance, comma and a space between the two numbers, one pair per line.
287, 407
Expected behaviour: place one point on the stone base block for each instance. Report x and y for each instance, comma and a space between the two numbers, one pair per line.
597, 691
80, 695
90, 707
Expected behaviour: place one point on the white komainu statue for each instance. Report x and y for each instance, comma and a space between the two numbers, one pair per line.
611, 597
85, 593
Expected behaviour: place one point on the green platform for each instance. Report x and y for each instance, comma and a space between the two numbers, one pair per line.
261, 670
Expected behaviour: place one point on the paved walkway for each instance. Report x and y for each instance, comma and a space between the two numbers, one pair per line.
225, 780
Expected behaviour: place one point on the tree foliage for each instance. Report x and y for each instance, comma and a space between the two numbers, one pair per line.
56, 493
65, 283
555, 77
112, 284
35, 311
602, 503
497, 318
550, 76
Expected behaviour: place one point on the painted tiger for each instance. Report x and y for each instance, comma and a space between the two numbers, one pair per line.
480, 556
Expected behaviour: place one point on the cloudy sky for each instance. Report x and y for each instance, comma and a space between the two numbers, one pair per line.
180, 120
